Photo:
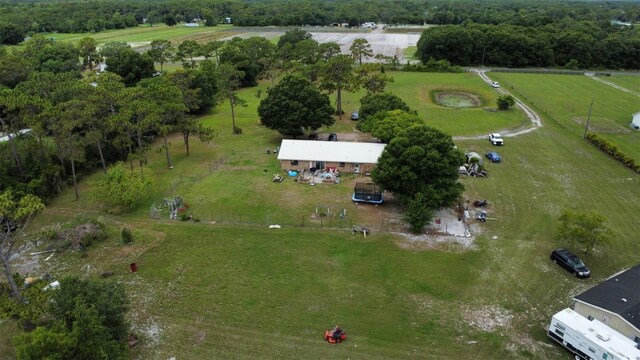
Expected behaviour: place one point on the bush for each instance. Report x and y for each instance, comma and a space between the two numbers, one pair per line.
612, 150
504, 102
433, 65
120, 187
126, 235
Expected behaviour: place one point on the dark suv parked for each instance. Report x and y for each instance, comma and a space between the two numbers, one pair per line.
570, 261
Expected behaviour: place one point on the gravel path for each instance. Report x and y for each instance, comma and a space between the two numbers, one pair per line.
536, 121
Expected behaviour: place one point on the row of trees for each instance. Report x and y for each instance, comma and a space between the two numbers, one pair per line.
60, 16
566, 44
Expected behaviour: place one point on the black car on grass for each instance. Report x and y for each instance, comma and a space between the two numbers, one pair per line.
571, 262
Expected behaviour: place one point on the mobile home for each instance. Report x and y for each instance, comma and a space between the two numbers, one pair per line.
590, 339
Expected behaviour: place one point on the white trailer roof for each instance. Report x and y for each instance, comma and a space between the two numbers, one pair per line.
600, 334
334, 151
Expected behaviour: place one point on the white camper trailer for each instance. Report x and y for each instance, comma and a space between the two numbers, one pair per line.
591, 339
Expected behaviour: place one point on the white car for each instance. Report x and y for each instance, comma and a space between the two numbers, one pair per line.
495, 84
496, 139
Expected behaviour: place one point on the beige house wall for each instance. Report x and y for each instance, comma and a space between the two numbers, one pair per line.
340, 167
614, 321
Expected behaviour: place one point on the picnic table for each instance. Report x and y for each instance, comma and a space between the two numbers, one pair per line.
361, 230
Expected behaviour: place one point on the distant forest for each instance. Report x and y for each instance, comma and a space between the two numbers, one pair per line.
30, 17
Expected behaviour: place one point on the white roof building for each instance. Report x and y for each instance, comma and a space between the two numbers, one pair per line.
330, 151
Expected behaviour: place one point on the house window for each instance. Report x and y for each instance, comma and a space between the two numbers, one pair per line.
341, 164
294, 162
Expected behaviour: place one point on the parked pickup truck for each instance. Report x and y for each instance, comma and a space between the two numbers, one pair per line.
496, 139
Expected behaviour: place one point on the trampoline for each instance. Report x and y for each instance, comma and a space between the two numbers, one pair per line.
367, 193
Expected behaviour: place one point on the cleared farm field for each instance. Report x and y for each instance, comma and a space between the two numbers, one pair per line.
150, 33
566, 99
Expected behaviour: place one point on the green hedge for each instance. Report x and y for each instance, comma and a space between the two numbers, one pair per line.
612, 150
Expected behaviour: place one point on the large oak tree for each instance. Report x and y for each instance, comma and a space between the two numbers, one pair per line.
420, 168
294, 105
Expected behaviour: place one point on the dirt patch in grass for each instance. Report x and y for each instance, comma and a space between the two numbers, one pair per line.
602, 125
445, 232
487, 318
456, 99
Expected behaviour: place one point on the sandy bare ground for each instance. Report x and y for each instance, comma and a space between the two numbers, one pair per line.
381, 43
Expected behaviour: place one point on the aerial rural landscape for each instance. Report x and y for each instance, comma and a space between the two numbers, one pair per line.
280, 179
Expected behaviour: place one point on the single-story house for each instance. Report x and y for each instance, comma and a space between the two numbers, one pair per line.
615, 302
342, 156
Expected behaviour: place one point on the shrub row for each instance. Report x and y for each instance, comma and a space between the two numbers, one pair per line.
612, 150
432, 65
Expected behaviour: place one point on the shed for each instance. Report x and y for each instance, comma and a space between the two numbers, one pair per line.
635, 121
338, 155
473, 157
615, 302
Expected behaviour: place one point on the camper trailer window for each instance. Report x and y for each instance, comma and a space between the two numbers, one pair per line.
559, 333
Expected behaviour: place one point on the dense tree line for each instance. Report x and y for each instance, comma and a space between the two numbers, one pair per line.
79, 123
18, 19
566, 44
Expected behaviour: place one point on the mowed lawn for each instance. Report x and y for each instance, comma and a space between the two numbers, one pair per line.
566, 98
416, 90
223, 290
626, 81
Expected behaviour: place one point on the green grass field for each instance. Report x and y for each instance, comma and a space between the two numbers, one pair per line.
629, 82
226, 290
566, 99
416, 88
410, 53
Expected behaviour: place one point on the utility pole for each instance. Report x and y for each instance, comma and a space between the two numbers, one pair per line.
483, 49
586, 127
